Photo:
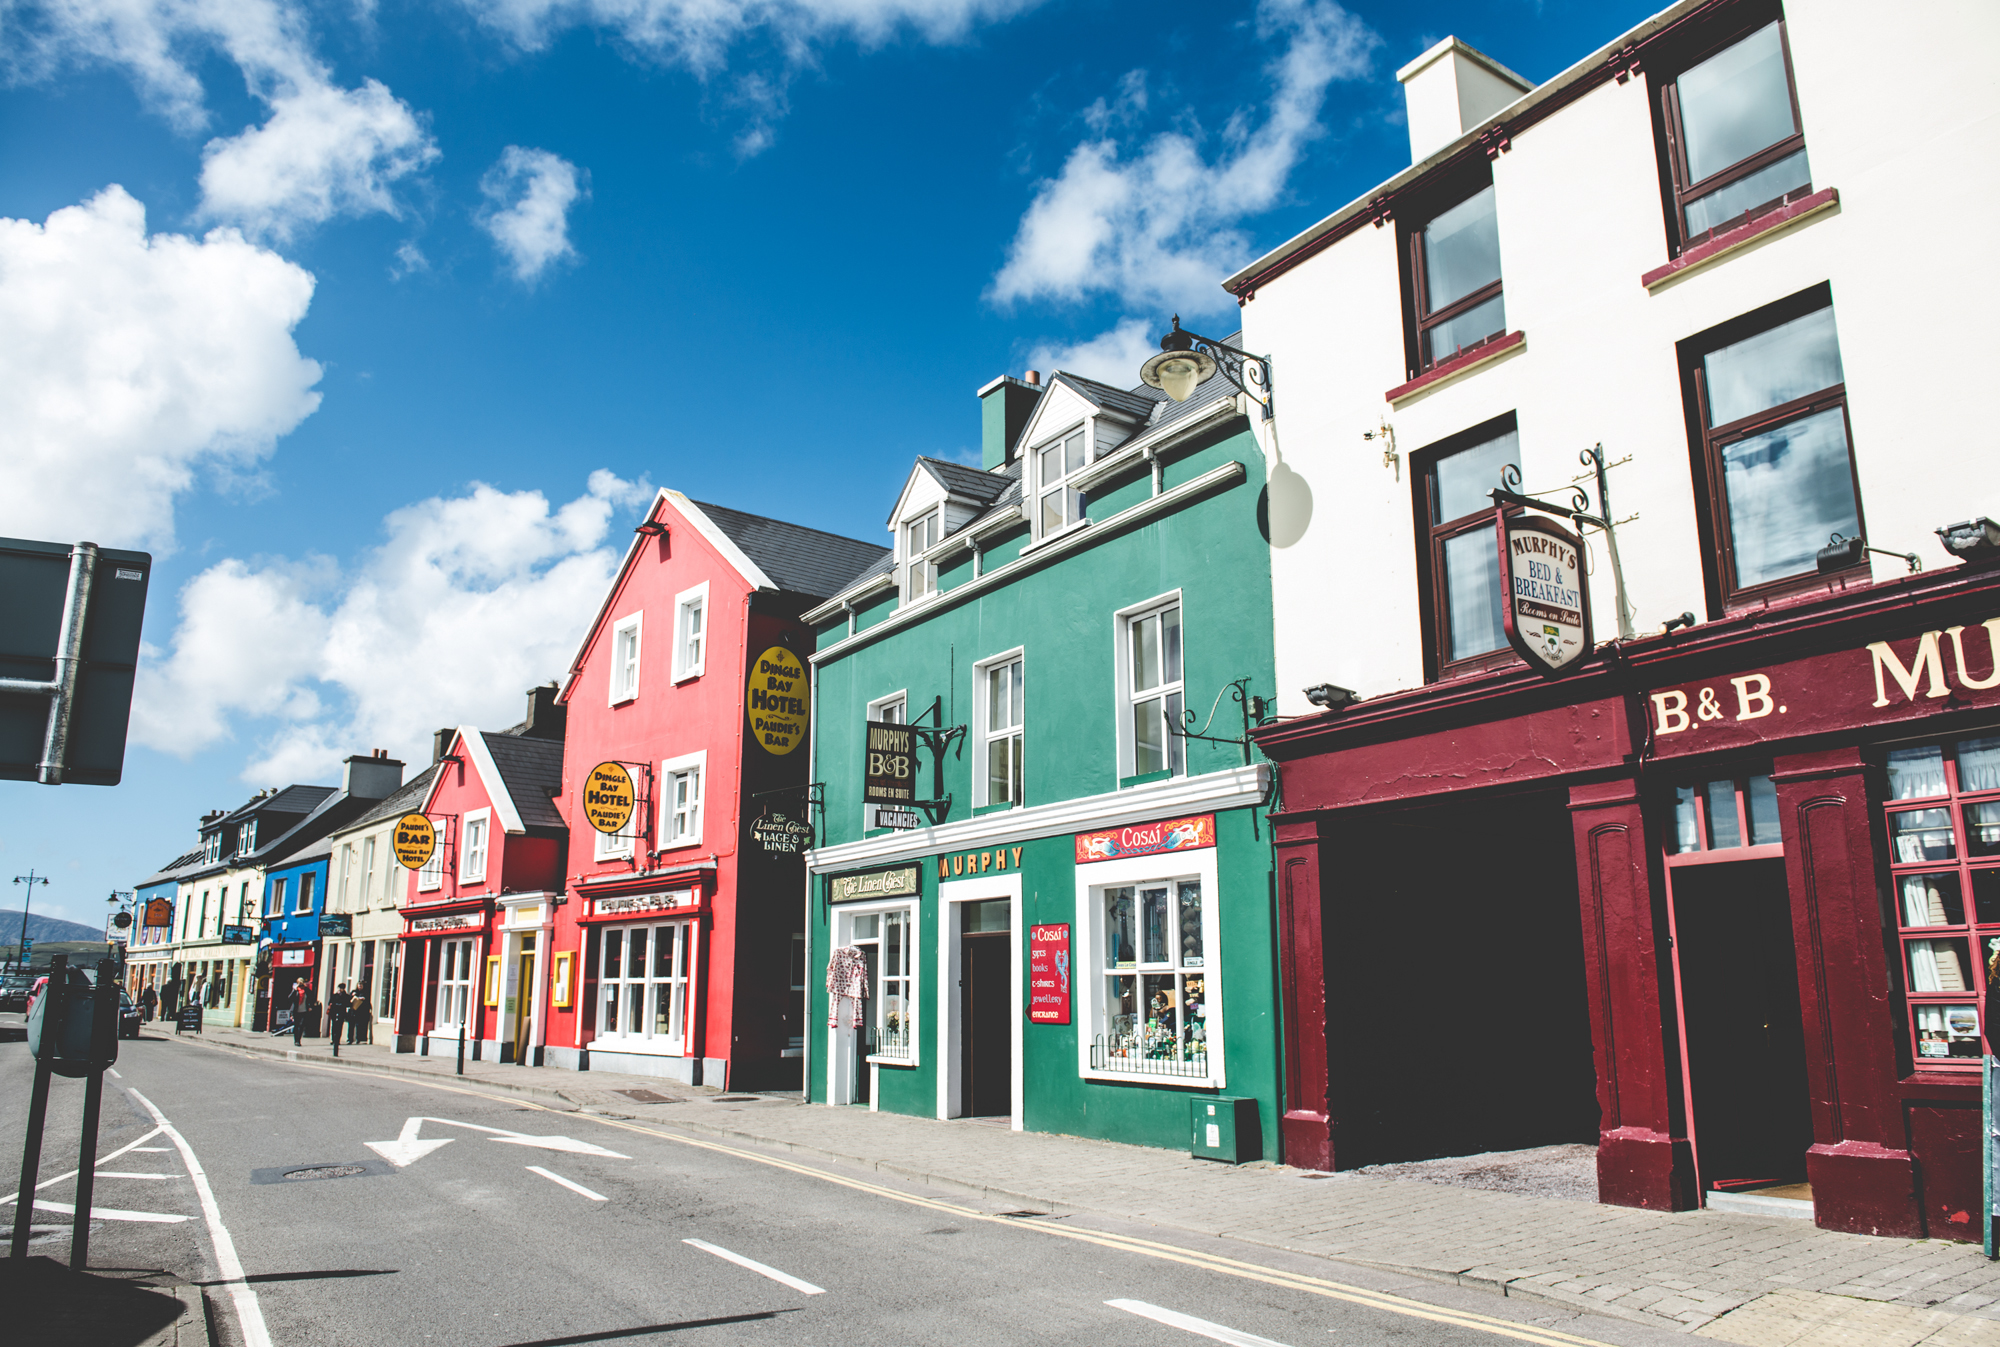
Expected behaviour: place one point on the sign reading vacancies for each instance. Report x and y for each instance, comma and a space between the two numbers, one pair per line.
891, 772
608, 797
1546, 611
778, 700
1048, 974
413, 841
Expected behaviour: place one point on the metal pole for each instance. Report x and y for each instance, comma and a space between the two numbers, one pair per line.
103, 1047
38, 1104
461, 1040
69, 660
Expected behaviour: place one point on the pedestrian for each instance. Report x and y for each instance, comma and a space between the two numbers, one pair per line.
336, 1011
301, 999
170, 997
359, 1022
148, 999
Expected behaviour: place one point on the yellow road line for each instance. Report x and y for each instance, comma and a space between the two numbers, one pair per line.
1133, 1244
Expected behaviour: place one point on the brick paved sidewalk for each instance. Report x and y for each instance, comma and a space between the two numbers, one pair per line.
1753, 1280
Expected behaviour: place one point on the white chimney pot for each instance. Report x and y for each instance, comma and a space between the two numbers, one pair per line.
1449, 90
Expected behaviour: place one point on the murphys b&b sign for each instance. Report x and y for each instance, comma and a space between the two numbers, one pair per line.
1948, 669
1546, 610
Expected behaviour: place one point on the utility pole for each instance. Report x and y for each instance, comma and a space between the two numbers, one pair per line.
30, 879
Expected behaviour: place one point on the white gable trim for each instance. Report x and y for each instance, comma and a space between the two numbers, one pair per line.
489, 772
734, 555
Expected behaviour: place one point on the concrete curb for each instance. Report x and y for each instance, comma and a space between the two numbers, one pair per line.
380, 1068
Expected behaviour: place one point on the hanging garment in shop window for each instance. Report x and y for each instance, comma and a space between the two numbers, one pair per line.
846, 979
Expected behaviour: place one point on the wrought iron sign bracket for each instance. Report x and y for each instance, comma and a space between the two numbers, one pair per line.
1579, 512
938, 737
815, 793
1254, 714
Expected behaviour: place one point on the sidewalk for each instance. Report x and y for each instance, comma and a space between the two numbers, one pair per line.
1754, 1280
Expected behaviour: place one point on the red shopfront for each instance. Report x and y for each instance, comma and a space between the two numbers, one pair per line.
444, 976
1721, 904
639, 1004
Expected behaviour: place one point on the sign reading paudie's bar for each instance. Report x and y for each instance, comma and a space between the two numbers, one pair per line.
1547, 612
609, 797
413, 841
1948, 669
1048, 974
1146, 839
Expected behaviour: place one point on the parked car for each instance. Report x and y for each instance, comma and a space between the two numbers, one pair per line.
14, 993
128, 1016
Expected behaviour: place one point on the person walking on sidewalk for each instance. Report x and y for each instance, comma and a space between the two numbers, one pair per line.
148, 999
170, 997
358, 1019
301, 998
336, 1012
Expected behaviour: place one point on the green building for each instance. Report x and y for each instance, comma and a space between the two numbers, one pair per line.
1057, 907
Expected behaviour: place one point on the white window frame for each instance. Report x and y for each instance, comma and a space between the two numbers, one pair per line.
1089, 978
1125, 697
877, 710
619, 1040
344, 888
670, 838
430, 875
616, 846
621, 688
914, 567
1072, 504
459, 989
689, 664
843, 925
370, 853
984, 735
477, 822
303, 904
274, 902
246, 837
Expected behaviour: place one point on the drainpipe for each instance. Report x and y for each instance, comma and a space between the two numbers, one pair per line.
978, 557
1151, 453
812, 775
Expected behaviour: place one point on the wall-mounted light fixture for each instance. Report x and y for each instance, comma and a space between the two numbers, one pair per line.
1187, 358
1840, 553
1390, 458
1331, 696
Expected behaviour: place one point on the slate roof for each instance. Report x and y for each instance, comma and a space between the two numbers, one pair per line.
1138, 402
400, 801
531, 771
290, 800
801, 560
172, 869
962, 479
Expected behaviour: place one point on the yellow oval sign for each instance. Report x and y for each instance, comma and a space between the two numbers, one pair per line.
780, 701
608, 797
414, 842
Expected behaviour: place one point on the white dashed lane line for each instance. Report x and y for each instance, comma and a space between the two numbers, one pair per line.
1235, 1337
98, 1213
797, 1284
573, 1187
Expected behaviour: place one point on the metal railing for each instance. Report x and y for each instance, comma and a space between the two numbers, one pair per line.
892, 1042
1125, 1057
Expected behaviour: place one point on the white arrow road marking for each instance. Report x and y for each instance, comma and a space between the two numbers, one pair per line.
1235, 1337
109, 1213
249, 1315
553, 1177
407, 1149
760, 1269
135, 1146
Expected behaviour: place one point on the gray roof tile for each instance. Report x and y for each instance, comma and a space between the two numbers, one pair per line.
962, 479
801, 560
531, 770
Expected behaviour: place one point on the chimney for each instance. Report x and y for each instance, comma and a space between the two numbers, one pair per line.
440, 742
1004, 408
1449, 90
374, 777
546, 716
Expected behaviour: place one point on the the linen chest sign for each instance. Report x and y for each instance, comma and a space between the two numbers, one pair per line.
1884, 681
1547, 614
1146, 839
900, 882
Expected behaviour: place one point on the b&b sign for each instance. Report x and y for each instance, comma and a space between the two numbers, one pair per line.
1546, 609
891, 765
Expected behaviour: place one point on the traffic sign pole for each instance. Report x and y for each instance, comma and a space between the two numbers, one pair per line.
38, 1103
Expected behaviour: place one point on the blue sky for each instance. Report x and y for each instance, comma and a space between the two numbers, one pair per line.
487, 271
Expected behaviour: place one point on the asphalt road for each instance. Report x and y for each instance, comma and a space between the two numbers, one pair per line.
530, 1227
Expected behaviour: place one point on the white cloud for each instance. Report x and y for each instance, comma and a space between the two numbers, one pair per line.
1159, 225
1111, 357
325, 151
131, 362
468, 602
528, 196
410, 259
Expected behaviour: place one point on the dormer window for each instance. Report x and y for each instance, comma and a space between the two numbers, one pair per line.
1060, 504
214, 852
919, 536
246, 838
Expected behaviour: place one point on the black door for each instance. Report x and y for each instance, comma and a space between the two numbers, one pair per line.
1745, 1038
986, 1046
864, 1037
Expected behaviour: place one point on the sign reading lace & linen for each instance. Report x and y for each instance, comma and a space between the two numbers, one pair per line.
1900, 679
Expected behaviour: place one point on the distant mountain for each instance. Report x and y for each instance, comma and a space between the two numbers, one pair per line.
44, 930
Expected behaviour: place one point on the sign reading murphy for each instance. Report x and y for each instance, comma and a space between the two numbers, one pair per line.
1546, 610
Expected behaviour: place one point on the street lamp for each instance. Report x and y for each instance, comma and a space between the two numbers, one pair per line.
1186, 359
20, 950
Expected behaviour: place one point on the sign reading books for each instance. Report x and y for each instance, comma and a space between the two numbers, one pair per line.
413, 841
778, 700
1146, 839
609, 797
1048, 974
1546, 610
891, 770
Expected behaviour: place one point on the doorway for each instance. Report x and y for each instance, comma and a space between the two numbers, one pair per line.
524, 1002
985, 1018
1742, 1033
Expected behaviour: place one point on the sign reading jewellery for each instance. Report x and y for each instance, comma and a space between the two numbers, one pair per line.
1546, 613
1146, 839
645, 902
1048, 974
464, 921
901, 882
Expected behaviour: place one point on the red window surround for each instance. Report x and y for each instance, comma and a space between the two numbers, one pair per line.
1457, 365
1749, 231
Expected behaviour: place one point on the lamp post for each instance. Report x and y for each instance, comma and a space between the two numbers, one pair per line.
1186, 359
120, 903
20, 950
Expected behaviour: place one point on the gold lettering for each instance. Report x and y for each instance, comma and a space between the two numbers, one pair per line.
1000, 859
1747, 697
985, 861
944, 867
958, 865
1017, 858
1992, 625
1672, 710
1927, 656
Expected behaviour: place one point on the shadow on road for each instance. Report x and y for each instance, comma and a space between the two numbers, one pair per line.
612, 1333
46, 1302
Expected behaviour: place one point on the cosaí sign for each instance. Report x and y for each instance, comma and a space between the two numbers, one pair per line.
1146, 839
1941, 670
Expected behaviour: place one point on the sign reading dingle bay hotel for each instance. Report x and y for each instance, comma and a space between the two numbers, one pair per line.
1546, 611
901, 882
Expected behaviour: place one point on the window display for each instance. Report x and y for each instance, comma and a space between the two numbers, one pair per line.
1155, 994
889, 1017
642, 987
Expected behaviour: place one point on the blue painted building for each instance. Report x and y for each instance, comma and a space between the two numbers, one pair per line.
294, 902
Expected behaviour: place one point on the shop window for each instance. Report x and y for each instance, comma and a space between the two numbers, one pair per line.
1772, 449
1734, 147
625, 659
1150, 657
1943, 825
642, 982
886, 940
1000, 766
454, 986
1152, 1011
1458, 560
919, 536
690, 632
1454, 271
390, 963
1059, 504
1724, 815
